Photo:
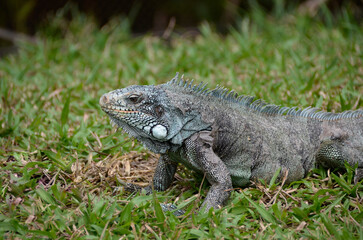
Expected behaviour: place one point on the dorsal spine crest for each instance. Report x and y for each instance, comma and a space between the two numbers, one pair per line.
259, 105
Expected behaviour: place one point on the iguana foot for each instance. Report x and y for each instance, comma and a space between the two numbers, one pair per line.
133, 188
172, 208
358, 175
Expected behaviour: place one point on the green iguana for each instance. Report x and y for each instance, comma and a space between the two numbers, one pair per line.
232, 139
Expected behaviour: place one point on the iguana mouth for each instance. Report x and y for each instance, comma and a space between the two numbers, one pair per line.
123, 111
110, 109
126, 111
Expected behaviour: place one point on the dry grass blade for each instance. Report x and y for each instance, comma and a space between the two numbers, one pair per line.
131, 167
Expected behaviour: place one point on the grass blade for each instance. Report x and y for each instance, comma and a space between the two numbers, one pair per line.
65, 111
262, 211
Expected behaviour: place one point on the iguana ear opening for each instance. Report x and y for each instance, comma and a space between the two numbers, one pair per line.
159, 110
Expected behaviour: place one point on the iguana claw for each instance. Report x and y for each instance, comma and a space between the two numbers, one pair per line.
172, 208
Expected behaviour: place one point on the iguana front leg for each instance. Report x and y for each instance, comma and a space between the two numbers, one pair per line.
163, 176
164, 173
199, 150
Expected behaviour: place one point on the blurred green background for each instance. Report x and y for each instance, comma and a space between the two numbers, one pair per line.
26, 16
61, 160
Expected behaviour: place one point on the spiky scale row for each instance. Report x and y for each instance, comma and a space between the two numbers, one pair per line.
259, 105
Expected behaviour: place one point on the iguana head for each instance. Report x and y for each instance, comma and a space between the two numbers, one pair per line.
146, 113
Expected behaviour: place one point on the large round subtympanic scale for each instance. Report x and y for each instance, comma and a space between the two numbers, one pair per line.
159, 131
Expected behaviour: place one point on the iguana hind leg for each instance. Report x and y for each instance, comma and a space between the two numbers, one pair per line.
334, 153
330, 155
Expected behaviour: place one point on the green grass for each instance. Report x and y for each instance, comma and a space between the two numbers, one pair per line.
61, 161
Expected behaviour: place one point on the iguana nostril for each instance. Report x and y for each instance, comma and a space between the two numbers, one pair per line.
104, 99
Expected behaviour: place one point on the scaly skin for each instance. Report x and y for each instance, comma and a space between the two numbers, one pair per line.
232, 139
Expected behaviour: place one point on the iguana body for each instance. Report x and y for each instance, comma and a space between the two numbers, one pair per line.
232, 139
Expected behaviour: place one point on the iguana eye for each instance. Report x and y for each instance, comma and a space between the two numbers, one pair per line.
134, 98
